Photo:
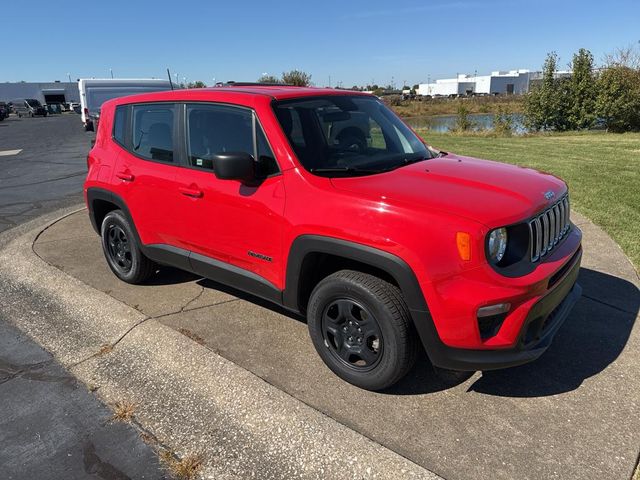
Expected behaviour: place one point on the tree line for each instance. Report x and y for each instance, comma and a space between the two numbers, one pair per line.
588, 96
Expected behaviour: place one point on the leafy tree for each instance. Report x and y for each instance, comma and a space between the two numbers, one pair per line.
547, 106
536, 102
268, 79
297, 78
196, 84
583, 91
618, 101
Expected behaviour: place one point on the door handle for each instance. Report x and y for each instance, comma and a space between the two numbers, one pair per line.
191, 192
127, 177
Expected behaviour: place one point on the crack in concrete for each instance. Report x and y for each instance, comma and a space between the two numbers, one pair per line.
192, 300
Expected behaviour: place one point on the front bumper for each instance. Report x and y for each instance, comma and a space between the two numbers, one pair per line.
534, 336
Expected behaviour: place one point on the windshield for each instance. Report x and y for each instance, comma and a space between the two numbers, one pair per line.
348, 135
96, 96
33, 102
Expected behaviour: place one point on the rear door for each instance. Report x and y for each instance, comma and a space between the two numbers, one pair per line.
145, 176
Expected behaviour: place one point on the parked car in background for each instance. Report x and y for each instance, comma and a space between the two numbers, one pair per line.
53, 108
383, 243
5, 110
73, 107
94, 92
28, 107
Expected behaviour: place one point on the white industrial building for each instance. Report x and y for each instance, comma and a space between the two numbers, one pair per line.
511, 82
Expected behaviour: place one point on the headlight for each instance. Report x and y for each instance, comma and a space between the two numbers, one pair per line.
497, 244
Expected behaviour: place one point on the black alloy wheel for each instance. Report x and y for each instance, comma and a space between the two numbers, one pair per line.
352, 334
119, 248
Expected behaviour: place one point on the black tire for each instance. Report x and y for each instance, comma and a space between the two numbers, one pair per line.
368, 362
88, 127
121, 249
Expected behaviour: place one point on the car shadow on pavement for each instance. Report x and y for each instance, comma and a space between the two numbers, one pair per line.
591, 339
207, 283
170, 276
593, 336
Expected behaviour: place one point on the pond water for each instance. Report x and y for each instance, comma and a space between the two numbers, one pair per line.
481, 121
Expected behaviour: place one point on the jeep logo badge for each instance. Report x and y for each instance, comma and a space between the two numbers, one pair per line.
549, 195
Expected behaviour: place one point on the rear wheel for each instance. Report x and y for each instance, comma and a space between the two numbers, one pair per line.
361, 328
121, 250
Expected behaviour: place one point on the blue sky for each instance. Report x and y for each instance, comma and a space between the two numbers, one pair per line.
354, 42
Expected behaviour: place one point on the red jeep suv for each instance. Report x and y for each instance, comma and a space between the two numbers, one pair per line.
324, 202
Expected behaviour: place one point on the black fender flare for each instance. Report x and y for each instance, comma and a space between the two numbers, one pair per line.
393, 265
95, 193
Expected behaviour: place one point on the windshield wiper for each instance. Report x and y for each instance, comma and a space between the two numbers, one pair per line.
346, 170
442, 154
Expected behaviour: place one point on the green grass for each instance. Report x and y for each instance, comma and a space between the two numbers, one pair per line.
602, 170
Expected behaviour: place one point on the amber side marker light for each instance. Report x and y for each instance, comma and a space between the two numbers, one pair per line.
463, 241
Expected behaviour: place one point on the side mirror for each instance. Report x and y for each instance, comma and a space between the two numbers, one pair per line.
234, 166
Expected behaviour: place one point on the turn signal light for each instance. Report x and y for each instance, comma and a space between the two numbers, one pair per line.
463, 241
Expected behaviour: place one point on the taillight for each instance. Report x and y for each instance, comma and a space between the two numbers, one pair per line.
86, 113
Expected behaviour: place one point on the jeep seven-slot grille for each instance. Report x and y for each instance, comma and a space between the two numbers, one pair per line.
548, 228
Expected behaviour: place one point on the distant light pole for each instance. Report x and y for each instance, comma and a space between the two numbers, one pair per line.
69, 75
111, 72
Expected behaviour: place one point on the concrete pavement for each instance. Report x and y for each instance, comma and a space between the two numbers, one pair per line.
572, 414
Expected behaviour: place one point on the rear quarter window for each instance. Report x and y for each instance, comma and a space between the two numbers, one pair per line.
120, 124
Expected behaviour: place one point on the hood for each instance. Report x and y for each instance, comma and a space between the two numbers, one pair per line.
491, 193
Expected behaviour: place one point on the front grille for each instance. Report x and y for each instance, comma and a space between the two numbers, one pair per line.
548, 228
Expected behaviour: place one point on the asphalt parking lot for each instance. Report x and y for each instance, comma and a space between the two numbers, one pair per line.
574, 413
49, 169
51, 426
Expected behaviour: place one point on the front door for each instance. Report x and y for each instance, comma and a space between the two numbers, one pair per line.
226, 220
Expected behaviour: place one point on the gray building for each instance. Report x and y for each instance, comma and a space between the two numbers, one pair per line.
46, 92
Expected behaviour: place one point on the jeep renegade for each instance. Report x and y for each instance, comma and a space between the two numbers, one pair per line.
324, 202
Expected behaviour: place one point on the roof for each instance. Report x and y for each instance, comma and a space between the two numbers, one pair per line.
279, 92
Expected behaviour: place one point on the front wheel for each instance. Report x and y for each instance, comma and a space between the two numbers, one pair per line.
362, 330
121, 250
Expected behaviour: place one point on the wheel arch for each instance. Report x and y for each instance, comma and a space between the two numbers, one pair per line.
307, 265
100, 202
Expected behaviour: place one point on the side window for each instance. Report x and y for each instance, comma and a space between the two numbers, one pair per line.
267, 164
153, 131
119, 124
213, 129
